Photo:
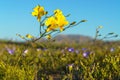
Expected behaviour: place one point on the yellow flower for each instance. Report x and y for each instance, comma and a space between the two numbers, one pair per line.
51, 23
48, 36
38, 12
56, 21
100, 27
57, 12
29, 36
61, 21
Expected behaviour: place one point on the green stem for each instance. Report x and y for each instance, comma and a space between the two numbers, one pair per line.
39, 37
96, 35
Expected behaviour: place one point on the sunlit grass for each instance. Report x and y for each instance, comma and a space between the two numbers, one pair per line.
59, 61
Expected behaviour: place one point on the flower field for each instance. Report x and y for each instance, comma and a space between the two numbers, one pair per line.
56, 61
42, 58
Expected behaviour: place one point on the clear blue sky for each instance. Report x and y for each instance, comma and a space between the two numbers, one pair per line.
15, 16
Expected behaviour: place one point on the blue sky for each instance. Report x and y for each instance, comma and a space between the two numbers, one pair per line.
15, 16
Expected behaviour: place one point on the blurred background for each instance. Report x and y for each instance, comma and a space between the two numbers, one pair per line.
15, 16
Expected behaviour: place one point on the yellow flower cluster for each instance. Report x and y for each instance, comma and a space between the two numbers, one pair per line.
56, 21
38, 12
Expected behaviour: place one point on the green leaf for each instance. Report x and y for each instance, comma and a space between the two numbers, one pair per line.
72, 23
83, 20
68, 15
111, 33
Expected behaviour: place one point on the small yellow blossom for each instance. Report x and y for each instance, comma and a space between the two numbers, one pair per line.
70, 67
100, 26
38, 12
48, 36
29, 36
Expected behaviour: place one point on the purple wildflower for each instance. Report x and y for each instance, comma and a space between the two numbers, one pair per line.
112, 49
85, 54
10, 51
71, 49
44, 49
83, 49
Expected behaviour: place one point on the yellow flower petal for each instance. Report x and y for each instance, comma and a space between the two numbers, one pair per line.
48, 36
57, 11
56, 21
38, 12
29, 36
34, 14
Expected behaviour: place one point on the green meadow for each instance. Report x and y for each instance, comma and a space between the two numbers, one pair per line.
41, 53
52, 60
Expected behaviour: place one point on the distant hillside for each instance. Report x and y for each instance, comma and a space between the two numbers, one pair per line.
72, 38
63, 39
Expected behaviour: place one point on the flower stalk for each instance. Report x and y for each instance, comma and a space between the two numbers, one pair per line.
49, 25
